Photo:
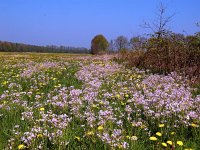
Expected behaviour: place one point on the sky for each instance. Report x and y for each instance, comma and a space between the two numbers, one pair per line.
76, 22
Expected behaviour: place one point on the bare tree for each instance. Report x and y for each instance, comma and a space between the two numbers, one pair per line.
159, 26
121, 43
111, 45
198, 24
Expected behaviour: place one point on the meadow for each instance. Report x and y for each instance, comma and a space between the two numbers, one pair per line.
75, 102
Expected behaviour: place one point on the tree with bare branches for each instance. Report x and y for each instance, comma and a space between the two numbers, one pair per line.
160, 25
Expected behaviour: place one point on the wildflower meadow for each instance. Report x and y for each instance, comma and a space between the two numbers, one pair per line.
75, 102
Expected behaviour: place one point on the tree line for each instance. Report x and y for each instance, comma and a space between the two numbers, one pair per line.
162, 51
19, 47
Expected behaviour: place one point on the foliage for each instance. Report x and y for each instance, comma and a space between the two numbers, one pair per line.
59, 101
164, 51
173, 52
99, 44
18, 47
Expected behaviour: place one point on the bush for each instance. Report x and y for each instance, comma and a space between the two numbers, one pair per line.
173, 52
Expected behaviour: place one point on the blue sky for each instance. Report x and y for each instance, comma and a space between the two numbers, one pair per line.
76, 22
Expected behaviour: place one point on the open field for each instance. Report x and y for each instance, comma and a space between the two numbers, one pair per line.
62, 101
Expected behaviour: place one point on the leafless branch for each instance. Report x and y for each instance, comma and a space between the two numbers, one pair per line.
159, 26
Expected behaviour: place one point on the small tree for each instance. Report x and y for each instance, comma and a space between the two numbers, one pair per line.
99, 44
159, 26
111, 46
121, 43
137, 43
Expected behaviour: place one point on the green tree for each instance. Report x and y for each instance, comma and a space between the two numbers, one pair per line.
99, 44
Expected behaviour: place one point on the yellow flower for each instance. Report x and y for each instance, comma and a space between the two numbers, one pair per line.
42, 109
153, 138
77, 138
126, 95
94, 106
118, 96
188, 149
194, 125
5, 82
180, 143
39, 136
164, 144
122, 103
172, 133
21, 146
133, 124
158, 134
169, 142
101, 102
100, 128
90, 133
161, 125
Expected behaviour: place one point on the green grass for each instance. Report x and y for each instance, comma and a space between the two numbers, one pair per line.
52, 92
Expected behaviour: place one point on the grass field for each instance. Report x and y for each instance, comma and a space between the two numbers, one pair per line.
66, 101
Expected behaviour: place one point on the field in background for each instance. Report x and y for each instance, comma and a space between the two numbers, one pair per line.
71, 101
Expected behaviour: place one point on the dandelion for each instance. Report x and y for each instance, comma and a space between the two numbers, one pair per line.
126, 96
153, 138
169, 142
158, 134
118, 96
101, 102
172, 133
100, 128
94, 106
164, 144
21, 146
5, 82
122, 103
42, 109
194, 125
90, 133
77, 138
180, 143
161, 125
39, 136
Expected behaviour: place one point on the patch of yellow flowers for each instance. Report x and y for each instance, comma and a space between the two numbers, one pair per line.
21, 146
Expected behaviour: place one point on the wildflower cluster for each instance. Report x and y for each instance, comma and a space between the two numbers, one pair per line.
89, 102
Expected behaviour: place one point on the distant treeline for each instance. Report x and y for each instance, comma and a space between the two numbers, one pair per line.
19, 47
